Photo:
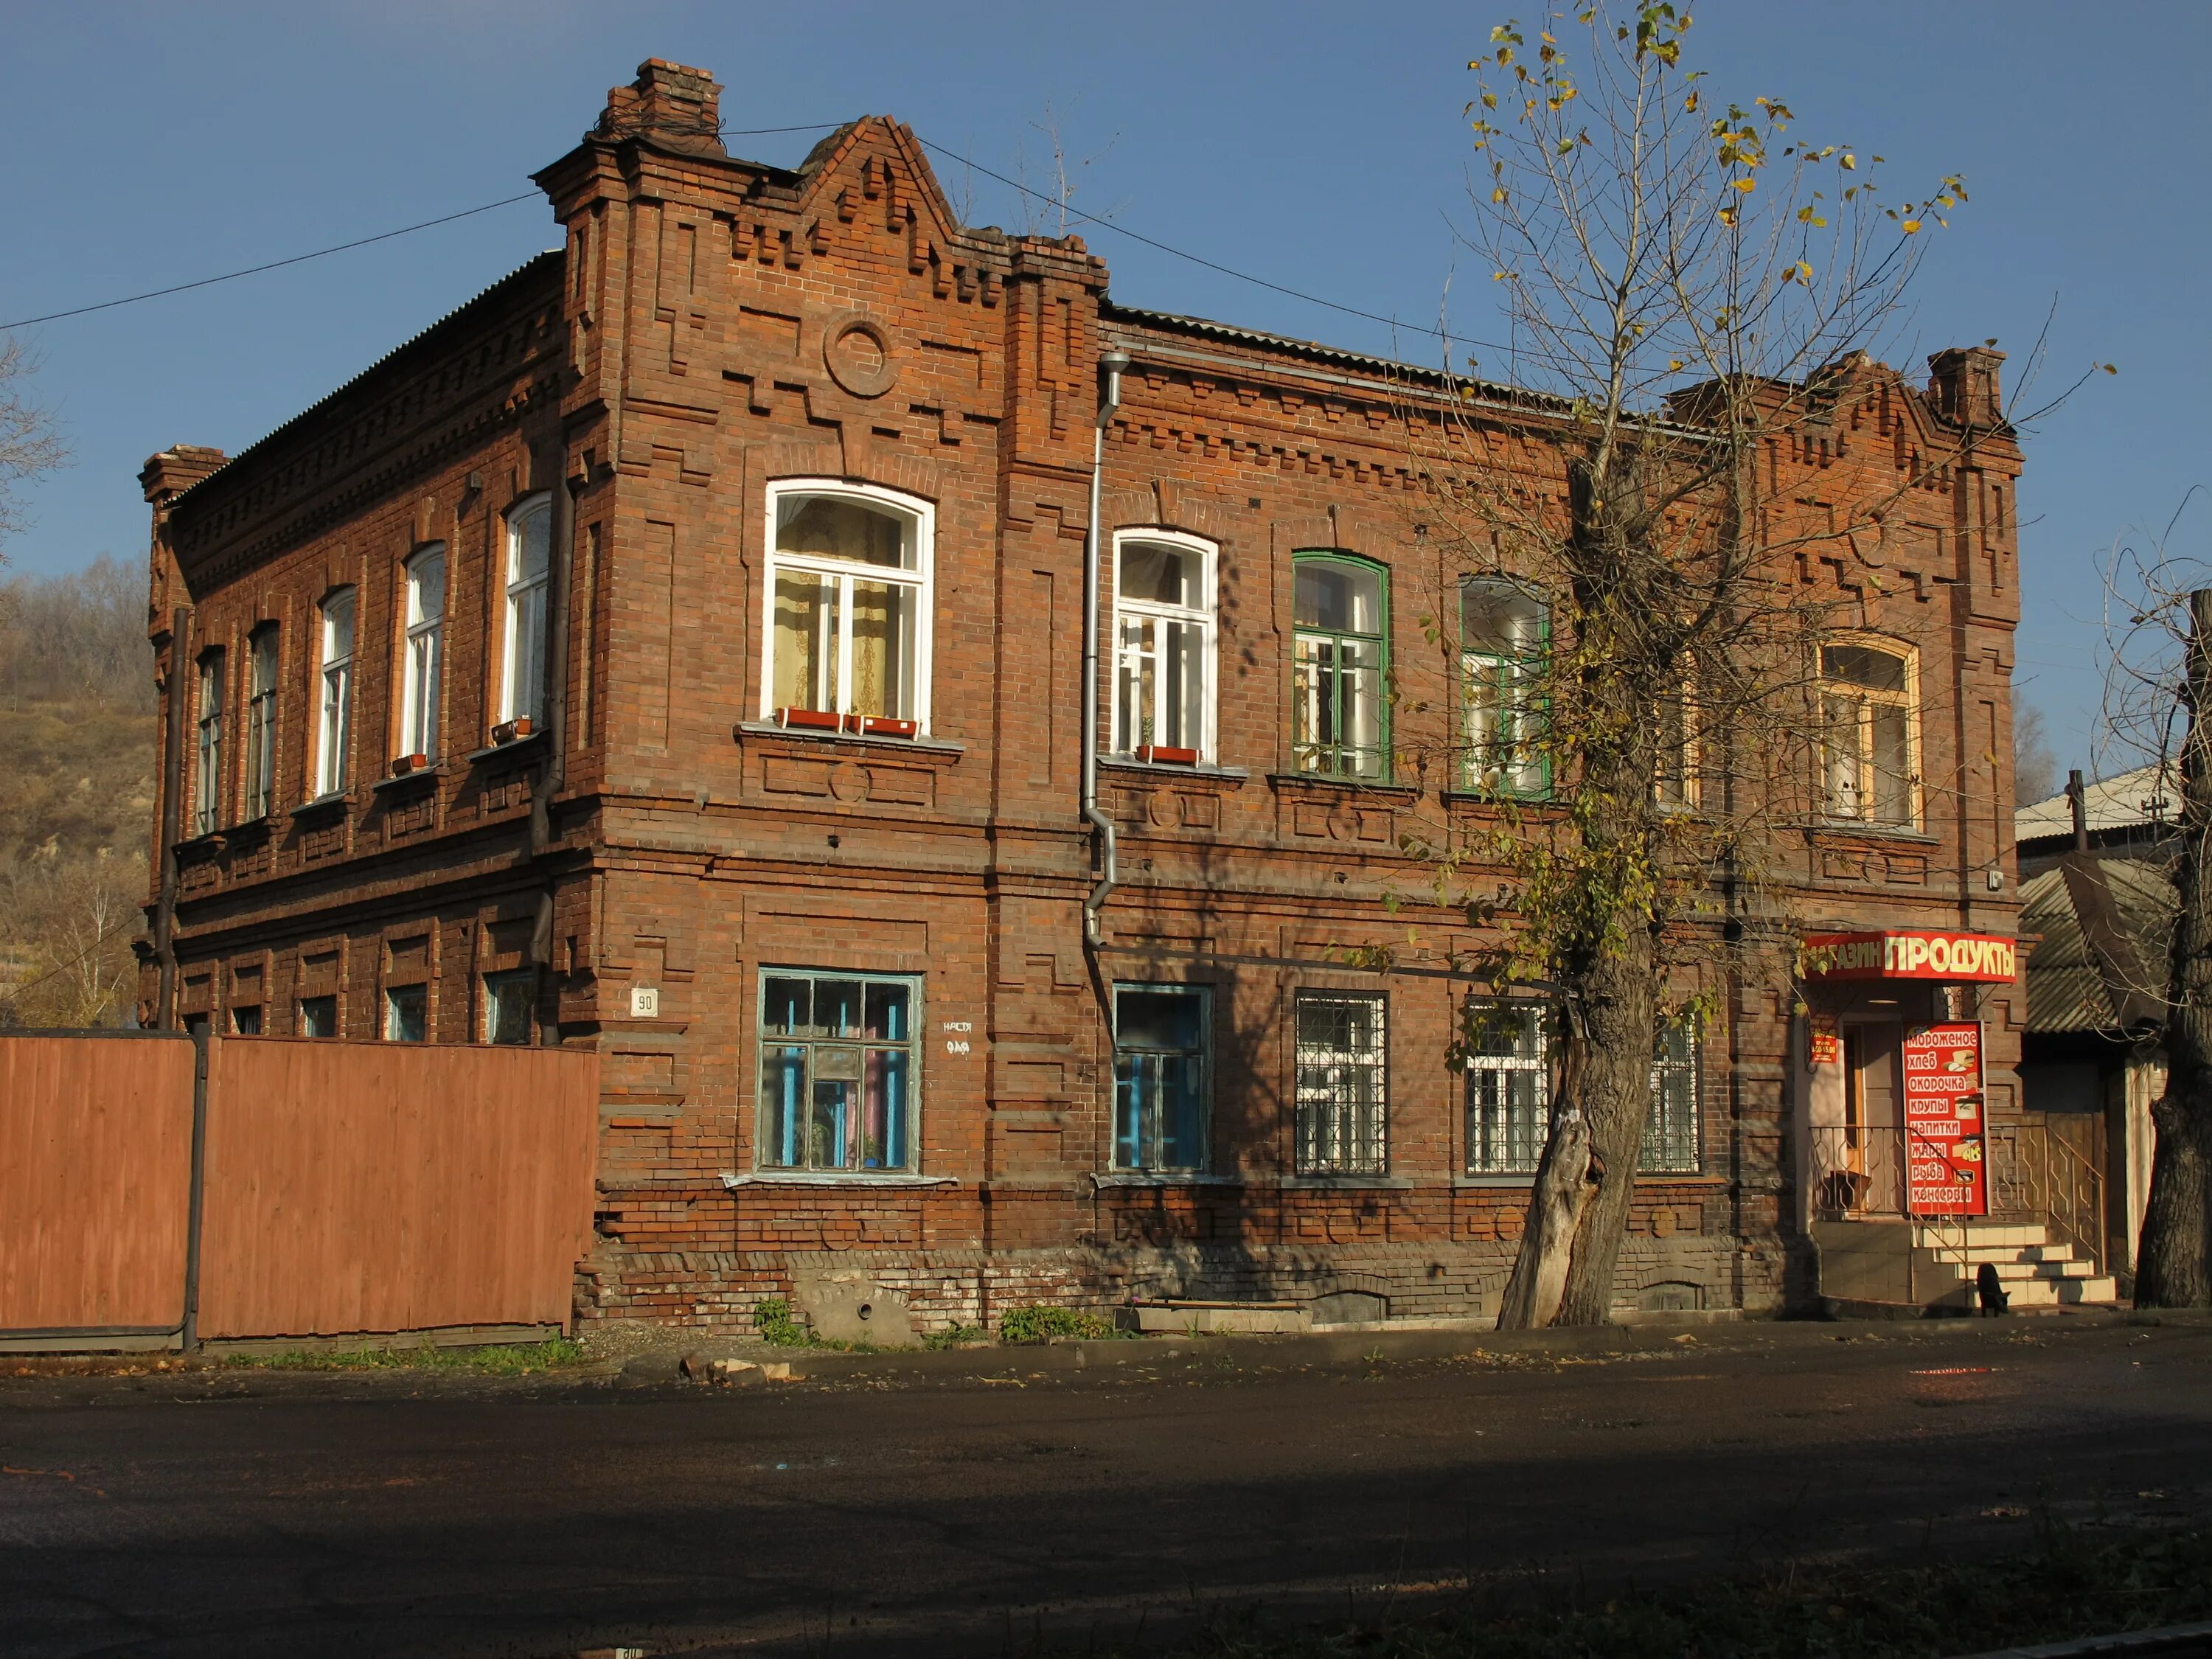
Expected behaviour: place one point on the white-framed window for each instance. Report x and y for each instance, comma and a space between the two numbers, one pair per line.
261, 724
1343, 1084
1870, 732
1163, 1087
1674, 778
1671, 1139
423, 669
334, 734
1509, 1088
407, 1014
507, 999
207, 781
845, 631
528, 560
1340, 665
838, 1064
1163, 650
1504, 631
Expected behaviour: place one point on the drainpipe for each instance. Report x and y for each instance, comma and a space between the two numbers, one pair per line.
1111, 364
173, 783
556, 772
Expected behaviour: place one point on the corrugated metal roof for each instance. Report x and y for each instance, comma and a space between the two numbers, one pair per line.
2066, 988
519, 274
1175, 323
2147, 795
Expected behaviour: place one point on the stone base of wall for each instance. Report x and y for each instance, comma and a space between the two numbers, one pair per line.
717, 1290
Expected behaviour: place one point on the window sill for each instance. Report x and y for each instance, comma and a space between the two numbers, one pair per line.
529, 745
1162, 1178
1522, 1181
941, 748
419, 774
732, 1181
1347, 1183
1175, 769
336, 800
1324, 783
205, 845
1859, 831
1497, 798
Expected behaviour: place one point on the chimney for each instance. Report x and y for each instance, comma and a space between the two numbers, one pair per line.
166, 476
2078, 799
672, 105
1962, 384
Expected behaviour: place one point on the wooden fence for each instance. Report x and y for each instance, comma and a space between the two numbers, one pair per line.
156, 1191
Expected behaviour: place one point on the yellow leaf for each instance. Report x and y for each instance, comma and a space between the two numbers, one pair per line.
1911, 226
1850, 163
1747, 185
1497, 195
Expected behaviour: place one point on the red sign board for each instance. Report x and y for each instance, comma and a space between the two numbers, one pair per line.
1916, 953
1824, 1040
1946, 1171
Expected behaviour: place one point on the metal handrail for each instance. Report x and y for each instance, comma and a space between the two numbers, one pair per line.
2041, 1174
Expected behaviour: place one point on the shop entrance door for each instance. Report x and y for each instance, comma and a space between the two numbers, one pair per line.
1873, 1122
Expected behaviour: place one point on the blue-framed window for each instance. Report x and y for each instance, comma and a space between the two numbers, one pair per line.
1162, 1090
839, 1070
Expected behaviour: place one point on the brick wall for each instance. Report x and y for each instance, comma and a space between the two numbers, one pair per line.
713, 326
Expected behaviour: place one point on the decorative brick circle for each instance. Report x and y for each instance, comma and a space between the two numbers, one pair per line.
849, 782
858, 354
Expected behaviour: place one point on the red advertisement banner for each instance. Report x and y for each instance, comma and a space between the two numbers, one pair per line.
1946, 1162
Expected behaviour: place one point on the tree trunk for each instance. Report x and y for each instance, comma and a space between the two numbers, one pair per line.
2173, 1259
1578, 1213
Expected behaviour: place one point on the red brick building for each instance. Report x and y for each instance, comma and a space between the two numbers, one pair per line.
677, 651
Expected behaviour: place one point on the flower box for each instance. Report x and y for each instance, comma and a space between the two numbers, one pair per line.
882, 725
809, 719
403, 765
1161, 754
511, 731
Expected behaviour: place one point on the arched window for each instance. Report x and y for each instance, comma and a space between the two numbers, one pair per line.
1163, 612
425, 660
848, 623
1870, 732
334, 734
529, 548
1339, 655
207, 792
261, 724
1504, 630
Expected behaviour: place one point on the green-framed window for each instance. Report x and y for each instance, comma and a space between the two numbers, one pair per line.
1339, 666
1504, 632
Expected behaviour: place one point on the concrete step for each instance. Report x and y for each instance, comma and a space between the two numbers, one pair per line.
2093, 1291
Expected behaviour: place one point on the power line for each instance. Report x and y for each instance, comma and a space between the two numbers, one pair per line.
274, 264
750, 132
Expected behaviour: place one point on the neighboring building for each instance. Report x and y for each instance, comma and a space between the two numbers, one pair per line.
676, 652
2100, 909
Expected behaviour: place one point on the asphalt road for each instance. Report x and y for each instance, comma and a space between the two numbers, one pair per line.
265, 1514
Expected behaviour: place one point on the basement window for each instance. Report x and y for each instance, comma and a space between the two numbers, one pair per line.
847, 621
319, 1016
1343, 1084
839, 1071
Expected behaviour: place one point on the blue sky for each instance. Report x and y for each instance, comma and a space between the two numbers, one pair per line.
1319, 146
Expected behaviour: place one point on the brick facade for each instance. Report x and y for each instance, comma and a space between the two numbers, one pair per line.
714, 327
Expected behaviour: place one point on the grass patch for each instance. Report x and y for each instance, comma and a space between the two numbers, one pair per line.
2066, 1587
956, 1336
1041, 1322
503, 1360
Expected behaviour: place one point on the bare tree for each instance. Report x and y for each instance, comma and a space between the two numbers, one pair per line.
2034, 767
1686, 284
2158, 709
29, 445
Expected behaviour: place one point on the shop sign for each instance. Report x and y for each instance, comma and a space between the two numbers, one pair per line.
1947, 1169
1824, 1040
1914, 954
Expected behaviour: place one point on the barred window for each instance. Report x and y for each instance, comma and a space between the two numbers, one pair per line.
508, 1000
1507, 1090
1343, 1084
1670, 1132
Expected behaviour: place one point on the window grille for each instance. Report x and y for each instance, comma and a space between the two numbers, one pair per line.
1508, 1091
1343, 1084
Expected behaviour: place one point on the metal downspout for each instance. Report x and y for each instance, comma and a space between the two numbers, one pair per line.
556, 772
173, 783
1110, 366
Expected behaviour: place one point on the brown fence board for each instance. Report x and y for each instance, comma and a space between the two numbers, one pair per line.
383, 1186
96, 1180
